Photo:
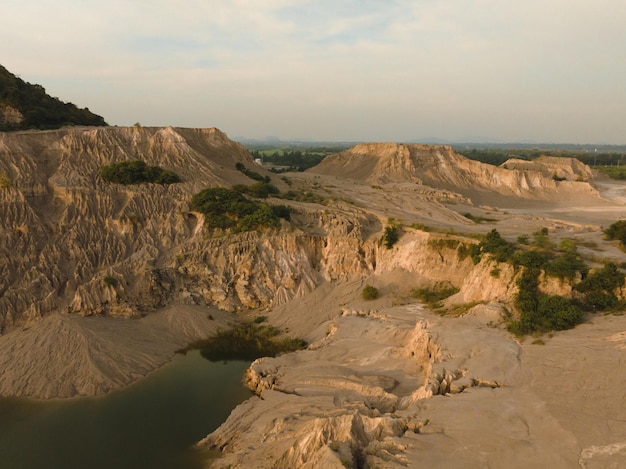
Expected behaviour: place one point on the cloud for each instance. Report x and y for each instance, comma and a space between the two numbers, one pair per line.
422, 67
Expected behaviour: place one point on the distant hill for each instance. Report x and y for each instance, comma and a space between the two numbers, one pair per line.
438, 166
26, 106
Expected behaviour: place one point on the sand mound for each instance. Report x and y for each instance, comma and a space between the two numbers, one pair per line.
66, 355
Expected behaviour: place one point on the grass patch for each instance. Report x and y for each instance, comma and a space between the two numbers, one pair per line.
459, 310
444, 243
303, 196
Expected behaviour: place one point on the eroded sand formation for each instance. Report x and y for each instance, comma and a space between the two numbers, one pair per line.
384, 383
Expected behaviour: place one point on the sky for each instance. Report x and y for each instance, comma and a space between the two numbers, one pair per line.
550, 71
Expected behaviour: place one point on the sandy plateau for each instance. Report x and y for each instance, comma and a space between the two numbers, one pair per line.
384, 383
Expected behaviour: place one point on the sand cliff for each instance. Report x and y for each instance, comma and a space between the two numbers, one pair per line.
384, 383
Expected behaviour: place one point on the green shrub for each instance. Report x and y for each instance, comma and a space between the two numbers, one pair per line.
469, 250
252, 174
110, 281
567, 265
599, 287
369, 293
282, 211
531, 259
540, 312
260, 190
227, 208
391, 236
541, 239
137, 172
263, 216
557, 313
499, 248
617, 231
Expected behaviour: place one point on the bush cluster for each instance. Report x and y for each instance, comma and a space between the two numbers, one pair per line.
246, 341
540, 312
391, 236
137, 172
252, 174
434, 295
617, 231
369, 293
230, 209
260, 190
599, 287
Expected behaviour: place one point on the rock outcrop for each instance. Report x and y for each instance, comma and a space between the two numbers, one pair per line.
352, 397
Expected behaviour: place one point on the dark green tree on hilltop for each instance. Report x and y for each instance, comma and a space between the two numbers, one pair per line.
37, 108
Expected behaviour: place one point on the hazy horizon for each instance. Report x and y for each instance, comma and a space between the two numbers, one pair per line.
549, 71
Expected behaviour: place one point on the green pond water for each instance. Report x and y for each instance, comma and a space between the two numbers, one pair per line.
150, 424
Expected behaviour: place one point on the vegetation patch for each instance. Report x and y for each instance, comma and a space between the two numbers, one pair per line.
444, 243
110, 281
614, 172
478, 219
294, 160
229, 209
137, 172
5, 181
617, 232
260, 190
252, 174
540, 312
38, 109
391, 236
246, 341
369, 293
599, 288
433, 296
303, 196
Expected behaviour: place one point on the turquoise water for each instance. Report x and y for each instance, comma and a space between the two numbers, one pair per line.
150, 424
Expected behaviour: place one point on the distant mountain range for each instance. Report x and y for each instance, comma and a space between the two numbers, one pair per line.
26, 106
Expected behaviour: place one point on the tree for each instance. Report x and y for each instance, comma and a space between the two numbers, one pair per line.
391, 236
